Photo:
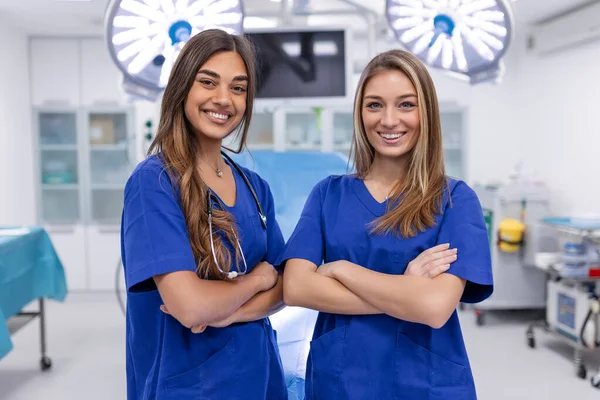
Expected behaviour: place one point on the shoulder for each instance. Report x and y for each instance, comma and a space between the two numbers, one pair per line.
148, 174
152, 163
335, 183
459, 189
460, 195
259, 184
332, 188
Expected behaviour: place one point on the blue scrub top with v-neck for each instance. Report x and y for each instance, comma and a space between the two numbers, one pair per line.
164, 359
378, 356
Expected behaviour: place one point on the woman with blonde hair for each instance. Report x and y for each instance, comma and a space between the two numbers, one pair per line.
401, 243
198, 241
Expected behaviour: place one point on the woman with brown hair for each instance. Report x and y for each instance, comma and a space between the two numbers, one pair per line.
198, 241
387, 327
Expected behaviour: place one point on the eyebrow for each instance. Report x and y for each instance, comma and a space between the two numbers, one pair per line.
208, 72
404, 96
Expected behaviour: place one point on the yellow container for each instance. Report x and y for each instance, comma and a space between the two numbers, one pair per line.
510, 235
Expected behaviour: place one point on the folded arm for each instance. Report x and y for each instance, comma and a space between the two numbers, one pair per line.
411, 298
261, 305
194, 301
304, 287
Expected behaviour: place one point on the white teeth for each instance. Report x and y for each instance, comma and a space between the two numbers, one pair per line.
391, 136
215, 115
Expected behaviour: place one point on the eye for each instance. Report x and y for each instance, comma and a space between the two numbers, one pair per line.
407, 105
373, 105
239, 89
206, 82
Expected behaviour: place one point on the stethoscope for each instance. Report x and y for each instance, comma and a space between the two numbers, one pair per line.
209, 208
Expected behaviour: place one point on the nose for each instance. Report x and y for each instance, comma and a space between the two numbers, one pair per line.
390, 119
222, 96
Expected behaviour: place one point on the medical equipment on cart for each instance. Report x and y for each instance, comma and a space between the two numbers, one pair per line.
512, 213
573, 305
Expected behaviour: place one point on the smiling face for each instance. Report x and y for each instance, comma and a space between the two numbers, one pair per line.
390, 114
216, 102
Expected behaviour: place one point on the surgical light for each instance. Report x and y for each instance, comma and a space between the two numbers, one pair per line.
467, 38
145, 36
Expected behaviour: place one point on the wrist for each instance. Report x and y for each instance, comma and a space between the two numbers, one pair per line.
260, 283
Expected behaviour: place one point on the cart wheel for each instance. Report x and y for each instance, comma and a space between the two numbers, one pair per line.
595, 381
581, 372
45, 363
479, 317
531, 342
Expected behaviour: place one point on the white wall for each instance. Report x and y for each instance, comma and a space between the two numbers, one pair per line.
559, 107
17, 190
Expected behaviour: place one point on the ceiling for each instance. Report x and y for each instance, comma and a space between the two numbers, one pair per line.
85, 17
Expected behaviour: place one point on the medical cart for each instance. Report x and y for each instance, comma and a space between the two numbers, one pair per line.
572, 290
517, 285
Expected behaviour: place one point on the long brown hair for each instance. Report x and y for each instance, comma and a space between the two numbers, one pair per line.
178, 147
422, 191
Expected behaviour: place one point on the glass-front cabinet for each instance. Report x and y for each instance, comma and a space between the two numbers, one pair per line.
261, 131
84, 159
453, 142
330, 128
303, 128
110, 163
60, 166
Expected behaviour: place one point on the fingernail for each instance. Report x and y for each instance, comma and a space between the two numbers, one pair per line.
446, 245
447, 266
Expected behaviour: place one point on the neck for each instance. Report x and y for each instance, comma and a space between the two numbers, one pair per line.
388, 171
210, 153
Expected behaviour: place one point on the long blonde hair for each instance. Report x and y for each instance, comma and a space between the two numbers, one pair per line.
422, 192
178, 147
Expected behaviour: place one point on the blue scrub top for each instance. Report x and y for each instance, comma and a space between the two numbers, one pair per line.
165, 360
378, 356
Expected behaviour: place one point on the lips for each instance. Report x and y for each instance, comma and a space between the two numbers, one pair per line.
217, 118
391, 135
214, 114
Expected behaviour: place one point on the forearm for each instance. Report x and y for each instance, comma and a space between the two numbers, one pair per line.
261, 305
411, 298
195, 301
318, 292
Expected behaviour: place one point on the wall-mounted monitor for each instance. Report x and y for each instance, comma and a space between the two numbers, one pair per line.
302, 63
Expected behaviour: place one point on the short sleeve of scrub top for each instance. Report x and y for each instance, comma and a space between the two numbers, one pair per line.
154, 229
306, 242
463, 227
275, 241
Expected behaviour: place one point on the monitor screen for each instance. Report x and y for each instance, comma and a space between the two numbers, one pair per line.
299, 64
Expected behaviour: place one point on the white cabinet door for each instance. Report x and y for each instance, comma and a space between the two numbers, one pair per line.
55, 72
69, 243
104, 248
100, 77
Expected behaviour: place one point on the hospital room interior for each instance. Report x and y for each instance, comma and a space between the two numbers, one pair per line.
81, 84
